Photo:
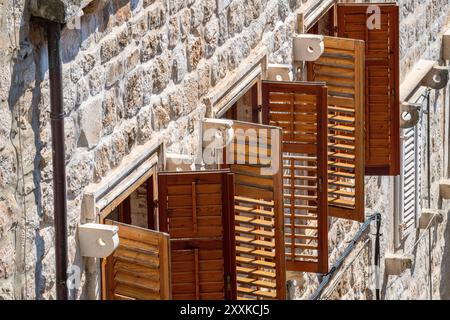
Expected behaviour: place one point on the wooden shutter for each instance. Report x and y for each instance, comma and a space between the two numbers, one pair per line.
195, 208
300, 109
341, 67
382, 82
410, 179
254, 156
139, 268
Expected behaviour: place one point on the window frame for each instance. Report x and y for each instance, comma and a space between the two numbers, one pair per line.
252, 71
386, 164
100, 199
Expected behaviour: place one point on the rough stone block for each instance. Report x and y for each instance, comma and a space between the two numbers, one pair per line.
139, 26
209, 9
133, 93
79, 173
429, 217
144, 121
211, 37
174, 31
149, 46
132, 59
95, 5
396, 264
195, 51
114, 71
97, 80
161, 117
156, 17
7, 215
109, 48
175, 6
112, 105
446, 45
179, 65
101, 166
444, 189
236, 17
123, 37
123, 13
161, 73
7, 255
60, 11
185, 23
90, 118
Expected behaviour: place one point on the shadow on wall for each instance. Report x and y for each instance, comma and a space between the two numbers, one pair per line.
444, 287
23, 98
29, 104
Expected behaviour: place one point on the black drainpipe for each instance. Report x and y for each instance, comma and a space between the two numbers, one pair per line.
58, 157
430, 280
338, 264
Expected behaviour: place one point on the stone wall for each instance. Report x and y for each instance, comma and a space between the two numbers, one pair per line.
138, 69
133, 70
421, 27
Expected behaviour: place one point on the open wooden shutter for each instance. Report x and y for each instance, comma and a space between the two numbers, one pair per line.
341, 67
410, 201
139, 268
300, 109
195, 208
382, 82
253, 154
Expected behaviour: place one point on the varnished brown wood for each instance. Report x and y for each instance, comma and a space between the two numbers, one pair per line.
382, 82
258, 209
300, 109
139, 269
151, 204
194, 207
342, 68
125, 211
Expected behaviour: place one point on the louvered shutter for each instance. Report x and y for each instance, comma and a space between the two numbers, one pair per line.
300, 109
341, 67
410, 179
139, 268
253, 154
195, 208
382, 82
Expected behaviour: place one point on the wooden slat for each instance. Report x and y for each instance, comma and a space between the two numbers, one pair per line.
382, 82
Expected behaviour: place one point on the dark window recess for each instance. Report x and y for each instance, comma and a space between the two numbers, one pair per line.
138, 209
246, 108
325, 25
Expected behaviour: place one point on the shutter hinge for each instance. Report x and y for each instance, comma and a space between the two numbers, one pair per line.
228, 282
155, 202
319, 184
259, 107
